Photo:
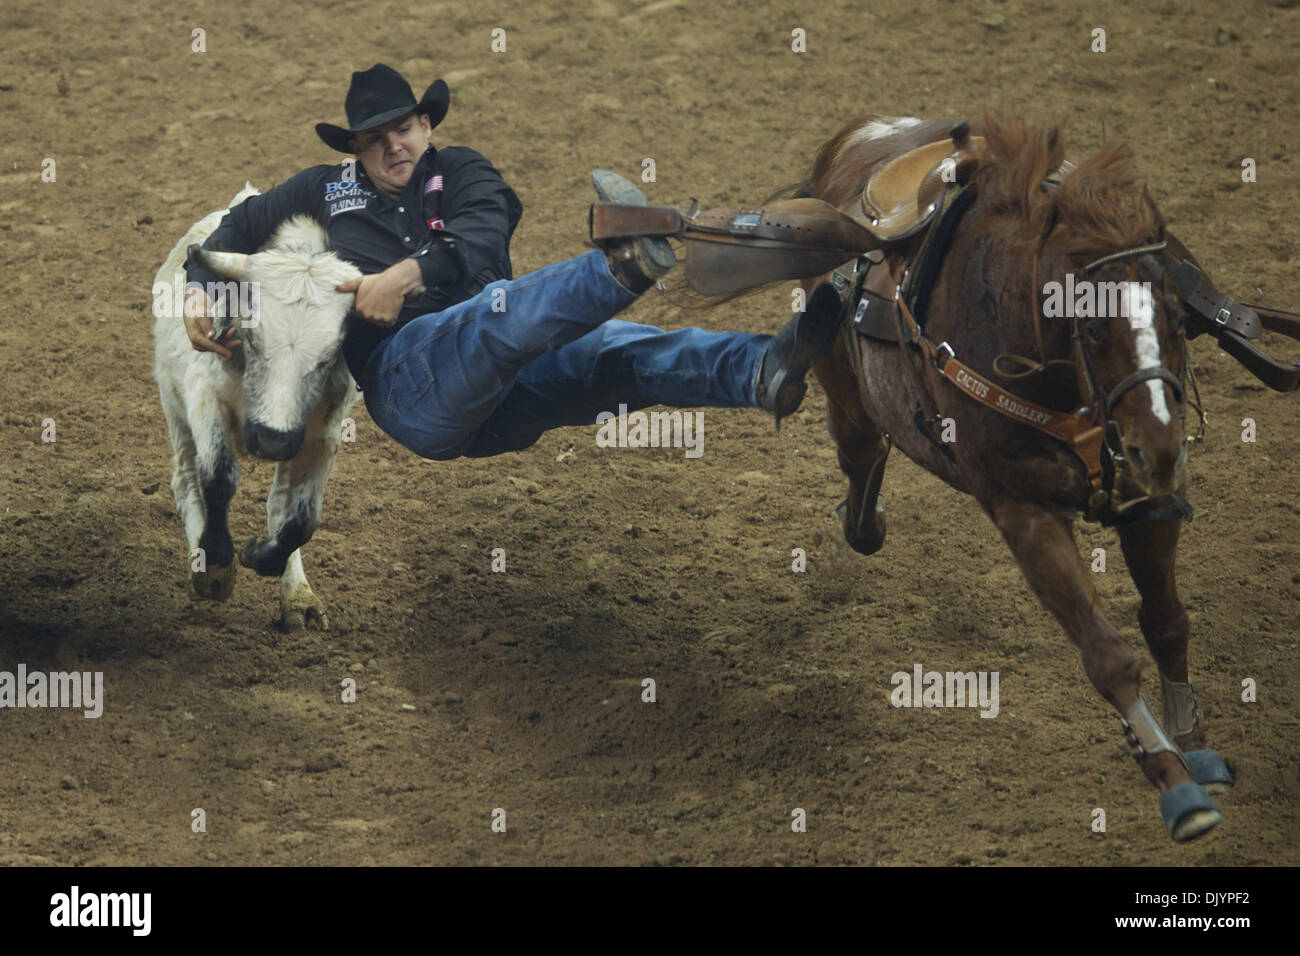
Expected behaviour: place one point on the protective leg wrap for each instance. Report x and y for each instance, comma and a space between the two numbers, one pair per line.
1182, 714
1144, 735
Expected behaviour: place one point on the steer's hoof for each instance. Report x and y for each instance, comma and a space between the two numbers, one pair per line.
303, 610
1188, 811
1209, 770
263, 556
214, 584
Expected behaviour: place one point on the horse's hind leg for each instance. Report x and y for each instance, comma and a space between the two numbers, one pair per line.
1044, 547
1149, 550
861, 449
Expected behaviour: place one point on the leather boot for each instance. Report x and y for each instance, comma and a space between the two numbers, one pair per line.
636, 263
810, 335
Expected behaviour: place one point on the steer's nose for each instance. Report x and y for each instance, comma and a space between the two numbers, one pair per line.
271, 443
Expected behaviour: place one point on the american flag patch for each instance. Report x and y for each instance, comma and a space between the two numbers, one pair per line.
434, 184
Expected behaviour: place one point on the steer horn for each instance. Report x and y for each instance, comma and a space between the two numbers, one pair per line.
228, 264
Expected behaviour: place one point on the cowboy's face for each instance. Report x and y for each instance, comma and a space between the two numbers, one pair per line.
388, 153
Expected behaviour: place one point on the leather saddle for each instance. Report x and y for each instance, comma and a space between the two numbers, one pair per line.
903, 194
922, 191
731, 250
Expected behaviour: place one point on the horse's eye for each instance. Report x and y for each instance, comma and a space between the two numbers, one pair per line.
1096, 331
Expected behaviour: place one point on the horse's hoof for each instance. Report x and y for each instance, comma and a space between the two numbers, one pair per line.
856, 542
1188, 811
214, 584
1209, 770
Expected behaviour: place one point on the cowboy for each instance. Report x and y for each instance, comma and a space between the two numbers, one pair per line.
454, 356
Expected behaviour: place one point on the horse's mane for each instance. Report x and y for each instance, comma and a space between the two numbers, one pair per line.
1099, 206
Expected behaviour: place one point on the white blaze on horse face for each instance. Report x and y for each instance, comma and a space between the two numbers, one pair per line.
1139, 307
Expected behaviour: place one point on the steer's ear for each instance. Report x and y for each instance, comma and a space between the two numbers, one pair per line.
228, 264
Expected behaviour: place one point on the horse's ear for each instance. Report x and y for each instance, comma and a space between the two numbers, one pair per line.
1053, 140
1155, 212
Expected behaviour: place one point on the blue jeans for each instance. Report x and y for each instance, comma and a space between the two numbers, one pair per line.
470, 381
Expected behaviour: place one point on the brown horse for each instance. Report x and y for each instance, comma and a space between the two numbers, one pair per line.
1035, 220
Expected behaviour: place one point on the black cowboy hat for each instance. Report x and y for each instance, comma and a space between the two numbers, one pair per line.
378, 96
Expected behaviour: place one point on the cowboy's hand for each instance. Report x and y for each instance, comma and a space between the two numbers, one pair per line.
380, 295
197, 313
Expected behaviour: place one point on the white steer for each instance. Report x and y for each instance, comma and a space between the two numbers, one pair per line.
282, 396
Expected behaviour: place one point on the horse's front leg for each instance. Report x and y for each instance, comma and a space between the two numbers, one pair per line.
861, 449
1044, 547
1149, 550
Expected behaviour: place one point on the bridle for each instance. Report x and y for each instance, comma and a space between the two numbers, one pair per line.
1102, 402
1090, 432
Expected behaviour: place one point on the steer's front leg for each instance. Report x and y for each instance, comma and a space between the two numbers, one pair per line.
218, 477
293, 513
290, 528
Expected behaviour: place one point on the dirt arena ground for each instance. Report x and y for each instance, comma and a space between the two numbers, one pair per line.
622, 564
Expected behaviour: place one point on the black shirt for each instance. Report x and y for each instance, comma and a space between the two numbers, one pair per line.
452, 192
